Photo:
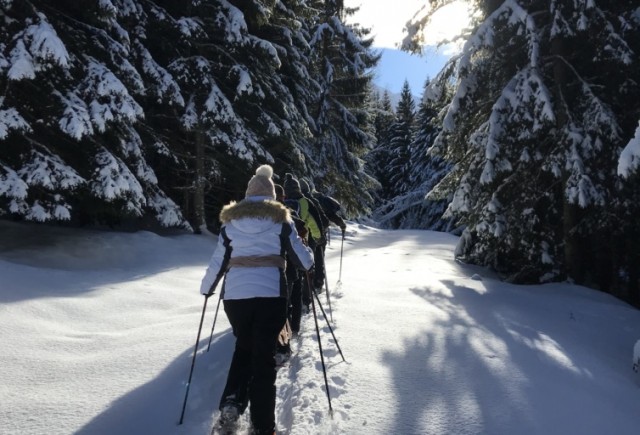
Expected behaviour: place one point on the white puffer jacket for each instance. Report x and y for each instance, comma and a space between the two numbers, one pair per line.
255, 227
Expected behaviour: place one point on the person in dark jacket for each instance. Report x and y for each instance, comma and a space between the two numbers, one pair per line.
255, 235
318, 250
294, 279
329, 208
312, 218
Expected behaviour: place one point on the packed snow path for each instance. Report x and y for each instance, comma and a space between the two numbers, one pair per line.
99, 329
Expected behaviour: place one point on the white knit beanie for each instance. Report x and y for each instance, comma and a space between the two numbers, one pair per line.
261, 183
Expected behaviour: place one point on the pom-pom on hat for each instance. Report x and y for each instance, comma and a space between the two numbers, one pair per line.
261, 183
291, 186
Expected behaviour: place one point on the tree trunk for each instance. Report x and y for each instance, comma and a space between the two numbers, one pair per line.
570, 212
633, 258
199, 223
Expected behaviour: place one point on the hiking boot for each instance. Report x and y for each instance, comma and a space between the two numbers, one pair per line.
228, 420
255, 431
282, 357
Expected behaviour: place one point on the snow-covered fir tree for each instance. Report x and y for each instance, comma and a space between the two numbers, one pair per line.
630, 157
119, 109
343, 59
411, 208
384, 116
546, 98
389, 160
401, 134
71, 146
376, 159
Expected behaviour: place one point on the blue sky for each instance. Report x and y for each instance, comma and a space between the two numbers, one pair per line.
387, 24
395, 66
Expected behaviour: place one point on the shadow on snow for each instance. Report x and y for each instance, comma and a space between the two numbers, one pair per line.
155, 407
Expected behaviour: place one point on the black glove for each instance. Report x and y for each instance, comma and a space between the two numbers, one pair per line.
211, 292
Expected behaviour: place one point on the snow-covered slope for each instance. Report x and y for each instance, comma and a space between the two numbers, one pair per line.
98, 330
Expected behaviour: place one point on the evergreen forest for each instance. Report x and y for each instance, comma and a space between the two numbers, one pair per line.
137, 114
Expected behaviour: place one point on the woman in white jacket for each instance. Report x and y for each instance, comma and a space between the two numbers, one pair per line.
256, 239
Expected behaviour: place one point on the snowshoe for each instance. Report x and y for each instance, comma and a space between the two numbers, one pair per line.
227, 423
282, 356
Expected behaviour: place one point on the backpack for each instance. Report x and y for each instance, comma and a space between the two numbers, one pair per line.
294, 205
318, 213
328, 204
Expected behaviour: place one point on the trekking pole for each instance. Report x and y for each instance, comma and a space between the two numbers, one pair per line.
214, 321
212, 289
193, 361
341, 249
313, 293
324, 368
326, 285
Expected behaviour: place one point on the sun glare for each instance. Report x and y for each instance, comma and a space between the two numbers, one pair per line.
387, 23
447, 23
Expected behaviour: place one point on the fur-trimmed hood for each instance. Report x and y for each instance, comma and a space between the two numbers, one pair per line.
269, 209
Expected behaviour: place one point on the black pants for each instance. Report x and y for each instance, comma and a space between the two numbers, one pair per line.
256, 324
318, 266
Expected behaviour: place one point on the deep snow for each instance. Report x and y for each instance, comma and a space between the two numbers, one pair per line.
98, 330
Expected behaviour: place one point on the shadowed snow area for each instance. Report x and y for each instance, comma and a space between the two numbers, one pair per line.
98, 332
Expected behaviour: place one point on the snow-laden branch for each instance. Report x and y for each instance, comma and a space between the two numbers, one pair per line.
525, 101
165, 85
112, 180
630, 157
51, 172
76, 119
233, 23
167, 212
36, 49
11, 185
10, 119
483, 37
113, 101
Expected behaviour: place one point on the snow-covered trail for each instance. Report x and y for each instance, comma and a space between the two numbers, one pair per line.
438, 347
385, 317
98, 331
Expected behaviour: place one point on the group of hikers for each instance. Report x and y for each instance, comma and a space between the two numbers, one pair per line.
270, 257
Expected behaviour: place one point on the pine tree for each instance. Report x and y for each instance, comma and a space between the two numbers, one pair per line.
390, 159
378, 157
544, 102
401, 135
412, 209
384, 116
342, 59
118, 111
72, 149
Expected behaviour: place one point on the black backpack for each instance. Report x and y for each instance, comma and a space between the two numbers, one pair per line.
294, 205
328, 204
